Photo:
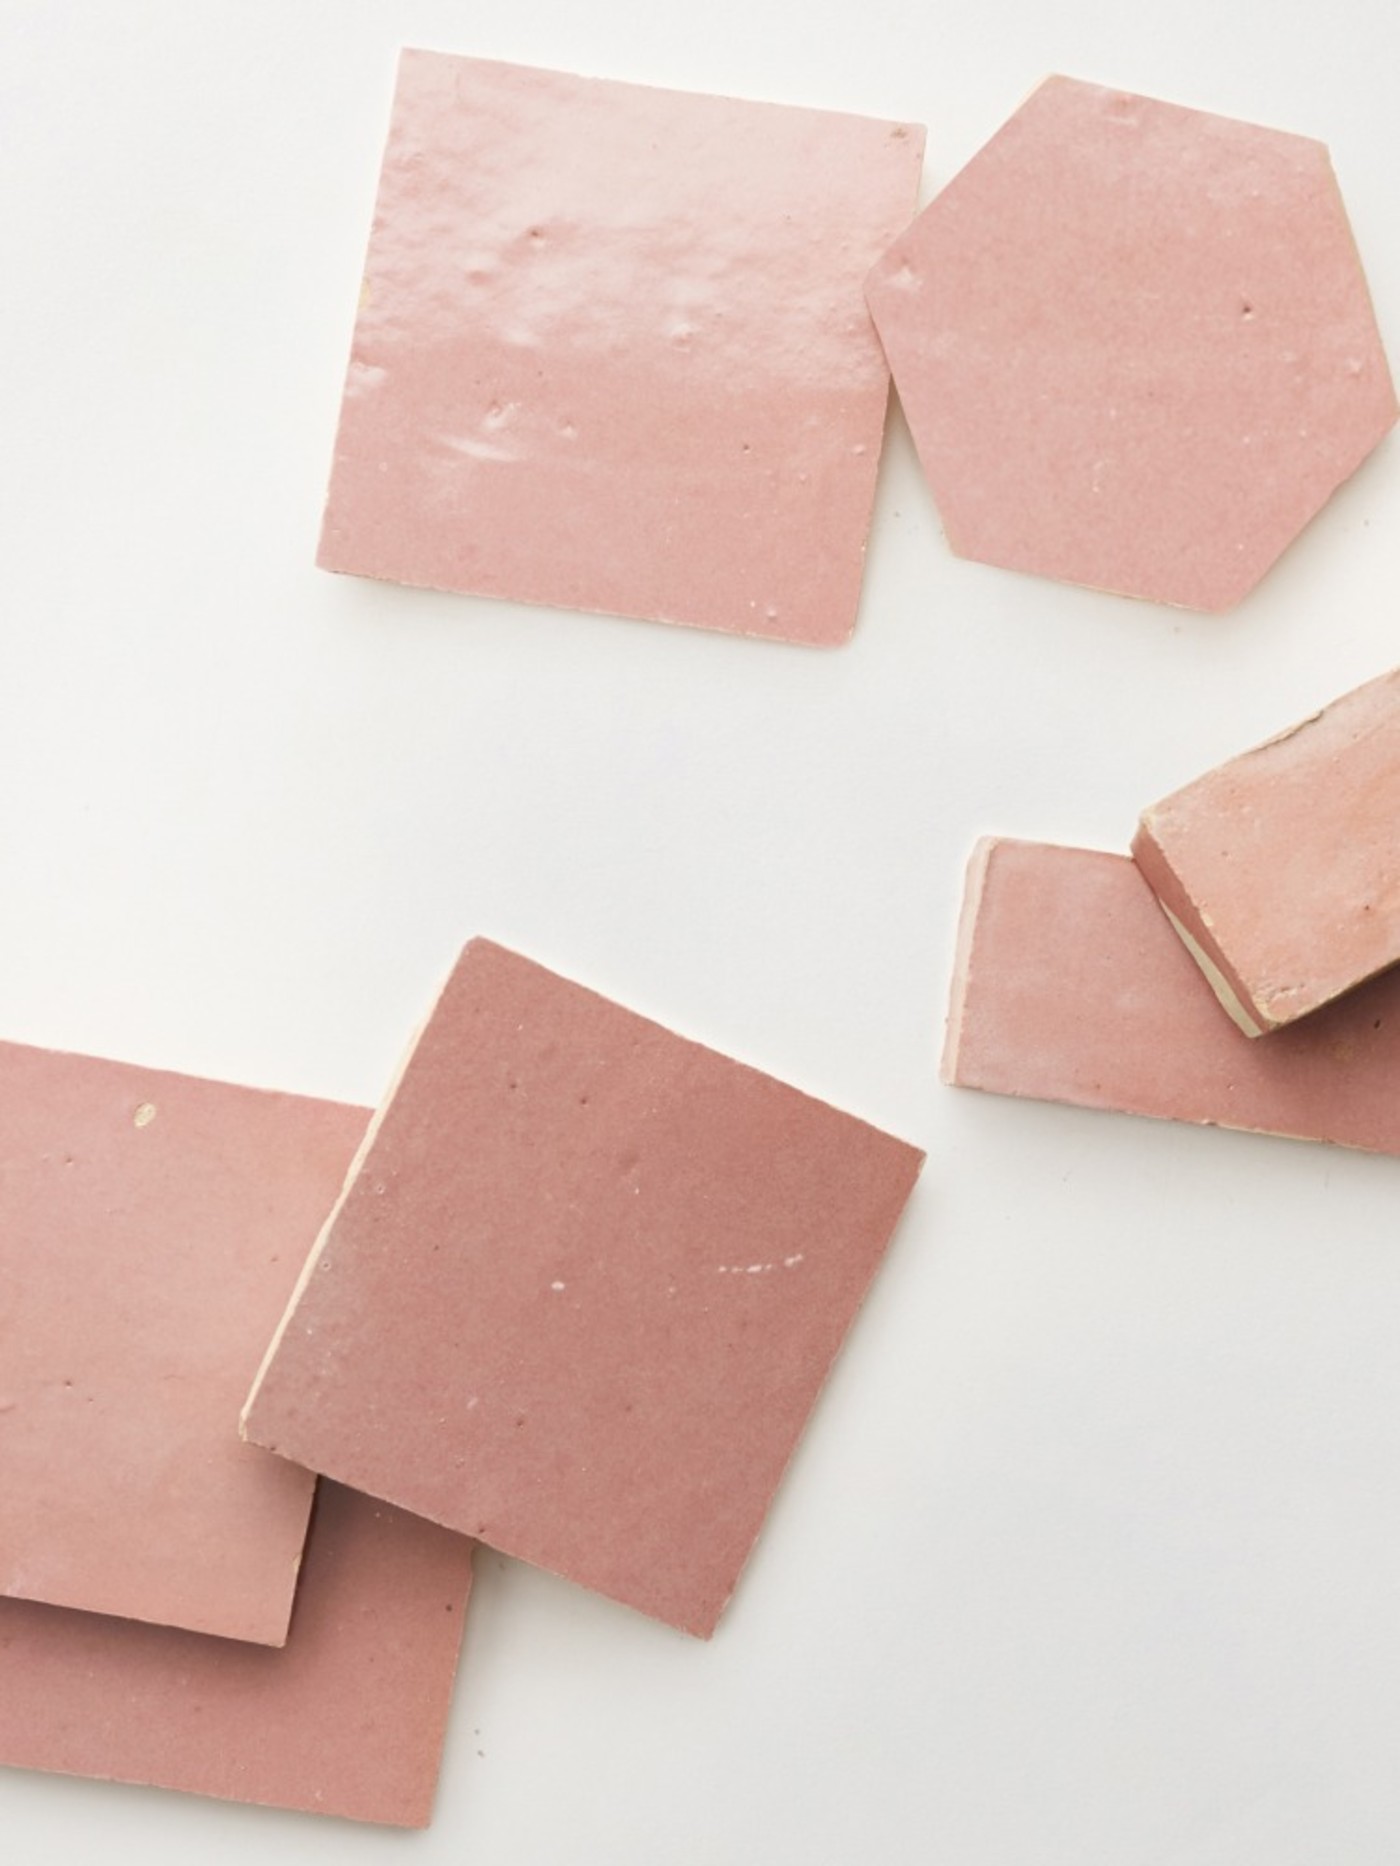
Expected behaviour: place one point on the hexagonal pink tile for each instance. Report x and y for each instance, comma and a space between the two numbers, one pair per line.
1134, 345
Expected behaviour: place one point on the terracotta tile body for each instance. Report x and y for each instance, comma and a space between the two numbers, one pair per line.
612, 350
347, 1719
583, 1291
1282, 867
1071, 986
151, 1227
1135, 345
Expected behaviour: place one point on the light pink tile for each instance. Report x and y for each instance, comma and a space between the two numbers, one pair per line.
151, 1228
1134, 345
1071, 986
612, 350
346, 1719
1282, 868
582, 1292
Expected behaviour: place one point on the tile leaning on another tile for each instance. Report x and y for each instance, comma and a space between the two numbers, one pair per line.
1071, 986
1281, 868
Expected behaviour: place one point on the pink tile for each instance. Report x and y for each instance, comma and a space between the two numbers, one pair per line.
1281, 868
612, 351
151, 1227
583, 1291
347, 1719
1134, 345
1071, 986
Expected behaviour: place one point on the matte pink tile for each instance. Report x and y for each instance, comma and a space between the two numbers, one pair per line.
612, 351
1134, 345
1281, 868
1071, 986
151, 1228
347, 1719
583, 1290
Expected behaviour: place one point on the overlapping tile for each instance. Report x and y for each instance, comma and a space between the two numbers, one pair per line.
151, 1228
583, 1290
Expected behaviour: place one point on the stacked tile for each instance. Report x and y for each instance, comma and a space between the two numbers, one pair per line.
574, 1289
151, 1226
580, 1284
582, 1280
347, 1719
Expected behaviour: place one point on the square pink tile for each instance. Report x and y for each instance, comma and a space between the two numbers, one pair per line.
151, 1228
347, 1719
613, 352
581, 1294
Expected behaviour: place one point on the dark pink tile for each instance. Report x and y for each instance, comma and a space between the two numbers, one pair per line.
583, 1290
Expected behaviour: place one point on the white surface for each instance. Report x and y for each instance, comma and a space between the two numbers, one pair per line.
1091, 1552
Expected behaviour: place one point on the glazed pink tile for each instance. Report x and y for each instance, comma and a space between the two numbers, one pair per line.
151, 1227
1281, 869
581, 1294
612, 350
1135, 345
347, 1719
1071, 986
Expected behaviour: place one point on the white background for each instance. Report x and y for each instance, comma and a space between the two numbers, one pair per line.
1092, 1552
